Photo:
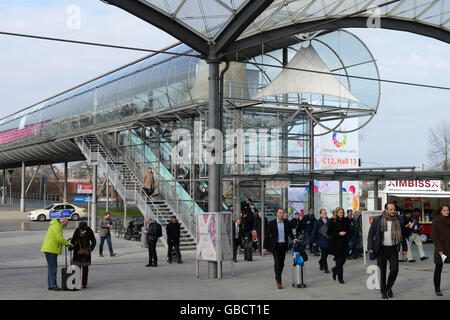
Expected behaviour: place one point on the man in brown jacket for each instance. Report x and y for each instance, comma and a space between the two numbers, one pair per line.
149, 182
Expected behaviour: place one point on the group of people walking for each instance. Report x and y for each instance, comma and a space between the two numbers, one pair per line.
340, 237
389, 235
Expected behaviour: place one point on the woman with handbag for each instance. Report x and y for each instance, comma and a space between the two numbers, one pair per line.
84, 242
441, 239
339, 230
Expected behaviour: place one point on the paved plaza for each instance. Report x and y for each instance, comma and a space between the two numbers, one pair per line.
23, 275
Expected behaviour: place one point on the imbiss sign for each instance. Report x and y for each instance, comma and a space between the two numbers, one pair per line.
412, 185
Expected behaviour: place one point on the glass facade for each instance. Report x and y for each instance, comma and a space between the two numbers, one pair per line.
157, 83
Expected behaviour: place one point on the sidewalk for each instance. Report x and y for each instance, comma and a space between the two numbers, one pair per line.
23, 275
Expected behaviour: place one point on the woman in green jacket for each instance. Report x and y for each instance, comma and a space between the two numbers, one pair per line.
52, 247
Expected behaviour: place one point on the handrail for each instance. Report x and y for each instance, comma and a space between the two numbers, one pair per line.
117, 172
134, 170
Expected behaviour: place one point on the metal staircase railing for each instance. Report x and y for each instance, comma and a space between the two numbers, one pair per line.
95, 153
126, 157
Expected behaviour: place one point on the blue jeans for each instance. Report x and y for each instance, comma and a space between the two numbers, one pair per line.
307, 240
52, 263
108, 240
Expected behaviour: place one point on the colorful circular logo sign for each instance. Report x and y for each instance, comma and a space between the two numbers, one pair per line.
338, 143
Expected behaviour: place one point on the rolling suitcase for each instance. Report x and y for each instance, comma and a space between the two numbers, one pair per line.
66, 274
298, 271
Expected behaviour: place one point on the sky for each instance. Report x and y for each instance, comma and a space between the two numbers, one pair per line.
33, 70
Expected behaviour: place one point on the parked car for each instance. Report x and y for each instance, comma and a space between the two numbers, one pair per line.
58, 210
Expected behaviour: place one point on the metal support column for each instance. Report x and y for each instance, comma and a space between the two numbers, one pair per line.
65, 182
22, 189
340, 194
4, 187
311, 163
375, 195
94, 198
214, 169
284, 145
107, 194
263, 200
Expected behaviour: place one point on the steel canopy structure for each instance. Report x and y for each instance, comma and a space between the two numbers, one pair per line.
219, 28
224, 30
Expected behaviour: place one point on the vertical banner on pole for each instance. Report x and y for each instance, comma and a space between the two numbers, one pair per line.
367, 217
214, 239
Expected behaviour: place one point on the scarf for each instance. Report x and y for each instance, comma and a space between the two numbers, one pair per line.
445, 219
396, 233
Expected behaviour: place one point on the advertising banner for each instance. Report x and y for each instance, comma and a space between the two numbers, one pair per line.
211, 226
84, 188
367, 217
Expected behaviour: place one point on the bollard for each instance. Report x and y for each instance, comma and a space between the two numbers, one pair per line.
25, 226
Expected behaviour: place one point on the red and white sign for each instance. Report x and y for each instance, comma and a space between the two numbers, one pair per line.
278, 184
412, 185
84, 188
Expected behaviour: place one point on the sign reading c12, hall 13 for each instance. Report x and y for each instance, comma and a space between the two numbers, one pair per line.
413, 185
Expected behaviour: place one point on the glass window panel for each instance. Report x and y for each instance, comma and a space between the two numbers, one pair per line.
110, 111
124, 97
158, 87
140, 90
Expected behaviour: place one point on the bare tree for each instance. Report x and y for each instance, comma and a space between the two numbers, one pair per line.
439, 149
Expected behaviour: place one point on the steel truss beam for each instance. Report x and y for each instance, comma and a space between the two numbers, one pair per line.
335, 24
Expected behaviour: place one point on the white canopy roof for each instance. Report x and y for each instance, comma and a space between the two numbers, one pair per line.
295, 81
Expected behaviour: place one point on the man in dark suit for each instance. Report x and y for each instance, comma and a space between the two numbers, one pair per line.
238, 235
277, 242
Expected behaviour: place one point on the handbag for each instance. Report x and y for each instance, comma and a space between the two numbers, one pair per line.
155, 192
83, 252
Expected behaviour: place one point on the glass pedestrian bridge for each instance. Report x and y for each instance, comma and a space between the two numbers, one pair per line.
164, 87
122, 122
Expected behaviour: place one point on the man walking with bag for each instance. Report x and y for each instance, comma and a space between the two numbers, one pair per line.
153, 232
278, 232
386, 234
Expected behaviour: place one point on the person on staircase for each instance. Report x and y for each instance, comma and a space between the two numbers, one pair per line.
149, 182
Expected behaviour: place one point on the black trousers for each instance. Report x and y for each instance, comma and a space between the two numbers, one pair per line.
386, 254
279, 255
177, 251
437, 277
152, 257
339, 267
323, 258
149, 192
236, 243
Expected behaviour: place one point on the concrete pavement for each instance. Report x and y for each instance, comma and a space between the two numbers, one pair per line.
23, 275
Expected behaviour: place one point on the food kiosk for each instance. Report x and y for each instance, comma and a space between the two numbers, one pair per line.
425, 195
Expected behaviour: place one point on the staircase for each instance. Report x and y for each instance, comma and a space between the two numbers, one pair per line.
130, 187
